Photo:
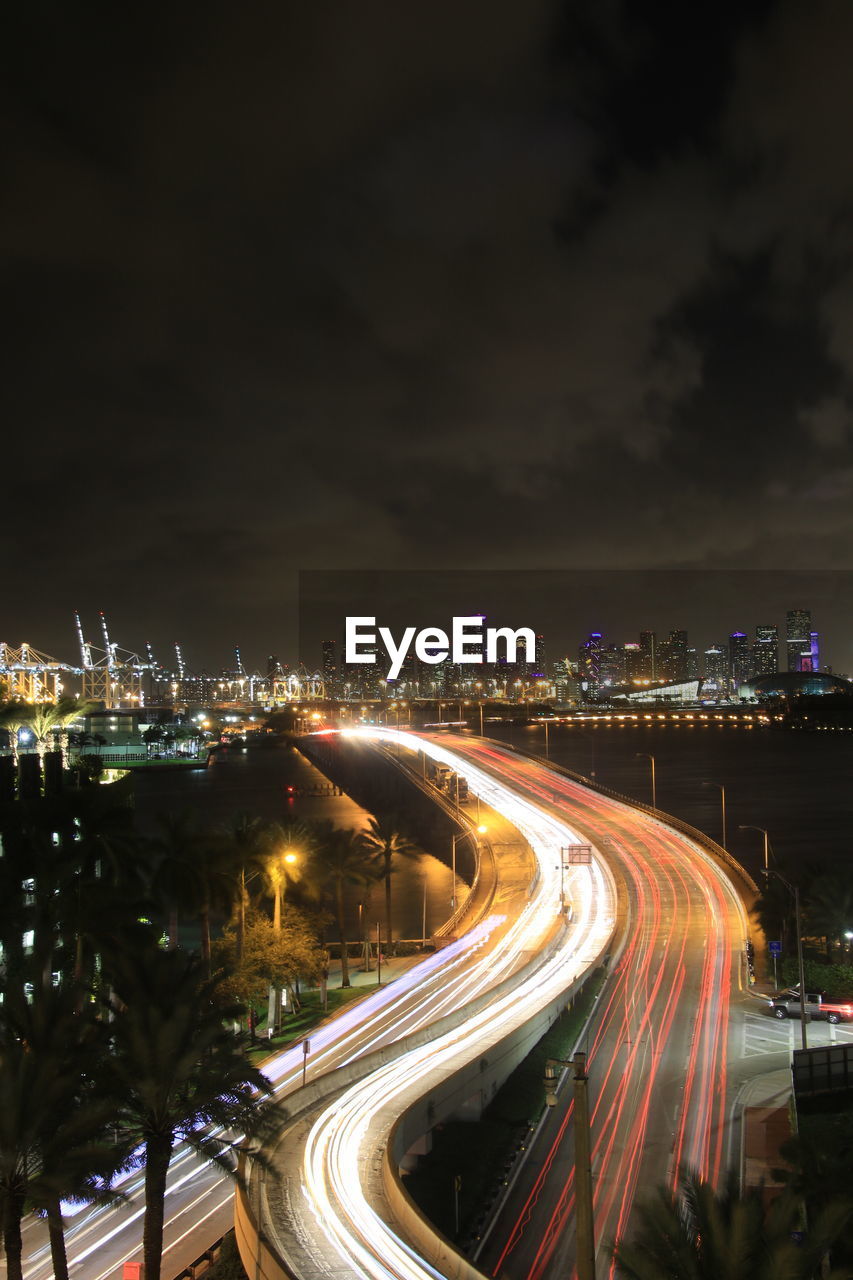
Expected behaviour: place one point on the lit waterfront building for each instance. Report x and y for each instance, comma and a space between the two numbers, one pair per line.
798, 626
739, 659
765, 652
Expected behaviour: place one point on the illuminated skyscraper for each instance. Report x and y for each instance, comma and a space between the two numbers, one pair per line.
765, 651
672, 663
716, 680
649, 650
739, 659
612, 669
589, 664
330, 668
633, 662
798, 625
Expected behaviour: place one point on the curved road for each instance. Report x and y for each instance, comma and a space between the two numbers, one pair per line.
659, 1052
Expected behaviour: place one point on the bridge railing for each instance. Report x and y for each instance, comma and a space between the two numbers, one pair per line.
699, 837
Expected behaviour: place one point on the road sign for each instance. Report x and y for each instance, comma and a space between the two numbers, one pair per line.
578, 855
775, 948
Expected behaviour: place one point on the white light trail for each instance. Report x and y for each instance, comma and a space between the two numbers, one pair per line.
344, 1137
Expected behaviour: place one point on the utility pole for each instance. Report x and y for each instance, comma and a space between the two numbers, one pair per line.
584, 1222
583, 1174
803, 1032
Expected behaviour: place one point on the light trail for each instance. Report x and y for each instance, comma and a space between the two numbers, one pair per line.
658, 1062
343, 1137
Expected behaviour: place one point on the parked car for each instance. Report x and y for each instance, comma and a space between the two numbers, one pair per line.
787, 1005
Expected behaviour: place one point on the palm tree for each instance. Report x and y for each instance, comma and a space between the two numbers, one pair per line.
385, 841
775, 911
829, 911
56, 1136
290, 860
213, 859
13, 717
46, 718
181, 1073
703, 1234
177, 878
249, 842
341, 861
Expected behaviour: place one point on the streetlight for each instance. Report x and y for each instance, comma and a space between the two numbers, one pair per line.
747, 826
584, 1222
465, 835
649, 756
722, 802
280, 880
478, 686
795, 890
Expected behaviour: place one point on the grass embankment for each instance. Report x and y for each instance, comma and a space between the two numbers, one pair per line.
482, 1153
299, 1025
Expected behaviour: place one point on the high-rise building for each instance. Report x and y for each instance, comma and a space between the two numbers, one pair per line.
692, 665
739, 659
814, 647
589, 664
330, 668
672, 658
633, 662
765, 651
565, 681
798, 626
612, 666
716, 679
540, 671
648, 648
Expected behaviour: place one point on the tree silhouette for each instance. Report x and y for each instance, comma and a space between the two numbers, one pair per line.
181, 1073
341, 861
703, 1234
385, 842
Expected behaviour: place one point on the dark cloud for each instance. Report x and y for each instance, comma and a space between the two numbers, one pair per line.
479, 284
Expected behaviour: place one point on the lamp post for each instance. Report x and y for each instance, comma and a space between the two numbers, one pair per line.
465, 835
649, 756
287, 859
722, 802
795, 890
584, 1220
290, 859
748, 826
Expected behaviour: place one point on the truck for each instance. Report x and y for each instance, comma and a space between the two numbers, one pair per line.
787, 1005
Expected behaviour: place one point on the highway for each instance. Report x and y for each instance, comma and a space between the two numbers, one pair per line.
659, 1052
660, 1055
334, 1224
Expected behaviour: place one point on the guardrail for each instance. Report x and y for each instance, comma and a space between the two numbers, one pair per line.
711, 846
467, 827
202, 1263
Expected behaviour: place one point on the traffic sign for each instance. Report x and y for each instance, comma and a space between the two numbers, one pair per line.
775, 948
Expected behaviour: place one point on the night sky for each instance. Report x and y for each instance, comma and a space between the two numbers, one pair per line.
370, 285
